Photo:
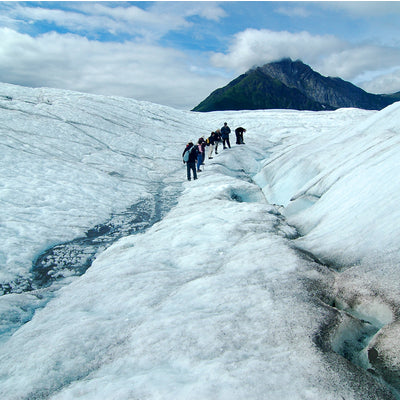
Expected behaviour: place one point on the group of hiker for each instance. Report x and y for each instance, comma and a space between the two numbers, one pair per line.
195, 155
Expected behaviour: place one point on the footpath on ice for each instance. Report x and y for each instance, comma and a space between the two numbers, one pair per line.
261, 282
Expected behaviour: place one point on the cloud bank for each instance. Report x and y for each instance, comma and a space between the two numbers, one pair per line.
139, 70
107, 48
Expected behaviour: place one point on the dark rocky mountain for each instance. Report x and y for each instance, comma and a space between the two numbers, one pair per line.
294, 85
393, 96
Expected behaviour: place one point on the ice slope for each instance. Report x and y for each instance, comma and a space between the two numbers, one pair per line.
218, 299
346, 211
70, 160
361, 160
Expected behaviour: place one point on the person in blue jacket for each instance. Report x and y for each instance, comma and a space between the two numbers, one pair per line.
225, 131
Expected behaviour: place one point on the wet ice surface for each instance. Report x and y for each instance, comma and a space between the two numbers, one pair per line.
72, 259
75, 257
213, 289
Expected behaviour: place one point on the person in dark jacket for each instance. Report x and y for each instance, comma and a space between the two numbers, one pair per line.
225, 131
191, 162
239, 135
211, 143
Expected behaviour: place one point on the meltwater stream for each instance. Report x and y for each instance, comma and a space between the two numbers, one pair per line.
73, 258
76, 256
349, 332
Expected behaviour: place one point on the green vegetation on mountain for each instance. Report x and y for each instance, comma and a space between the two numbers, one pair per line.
291, 84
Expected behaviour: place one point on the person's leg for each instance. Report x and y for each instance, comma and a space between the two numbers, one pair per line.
199, 160
188, 171
211, 151
194, 171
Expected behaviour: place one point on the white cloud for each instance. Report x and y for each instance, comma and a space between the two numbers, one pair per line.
138, 68
362, 9
356, 60
205, 9
134, 20
373, 68
257, 47
386, 82
94, 17
142, 71
293, 11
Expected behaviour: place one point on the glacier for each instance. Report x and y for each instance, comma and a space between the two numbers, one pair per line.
274, 275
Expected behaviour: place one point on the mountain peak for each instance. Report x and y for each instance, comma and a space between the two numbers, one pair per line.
290, 84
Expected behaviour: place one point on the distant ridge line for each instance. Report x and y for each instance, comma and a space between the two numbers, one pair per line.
288, 84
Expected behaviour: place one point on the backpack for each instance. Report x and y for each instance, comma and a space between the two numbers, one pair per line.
187, 153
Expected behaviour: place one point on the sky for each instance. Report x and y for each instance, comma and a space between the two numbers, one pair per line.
177, 53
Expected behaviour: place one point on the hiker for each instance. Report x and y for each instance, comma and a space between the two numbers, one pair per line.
225, 131
217, 139
189, 157
201, 145
239, 135
211, 143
